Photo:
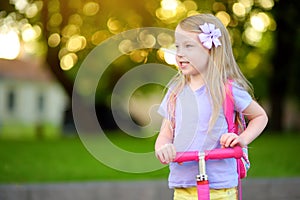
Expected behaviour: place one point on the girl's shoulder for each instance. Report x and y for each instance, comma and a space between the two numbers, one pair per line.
236, 85
243, 85
241, 96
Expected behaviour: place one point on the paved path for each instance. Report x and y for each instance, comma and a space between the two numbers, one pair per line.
253, 189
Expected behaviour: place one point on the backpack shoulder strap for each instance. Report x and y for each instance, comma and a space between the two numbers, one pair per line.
228, 107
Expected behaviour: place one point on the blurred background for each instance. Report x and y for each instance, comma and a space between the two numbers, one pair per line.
44, 42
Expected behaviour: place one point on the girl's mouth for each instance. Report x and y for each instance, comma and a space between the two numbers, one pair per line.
184, 63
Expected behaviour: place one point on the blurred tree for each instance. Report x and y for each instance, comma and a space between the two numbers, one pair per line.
72, 28
54, 17
285, 70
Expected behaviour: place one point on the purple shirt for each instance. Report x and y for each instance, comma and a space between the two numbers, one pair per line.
192, 114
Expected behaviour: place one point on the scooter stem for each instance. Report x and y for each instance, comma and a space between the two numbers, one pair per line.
202, 168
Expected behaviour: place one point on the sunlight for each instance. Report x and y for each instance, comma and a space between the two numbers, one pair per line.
171, 9
169, 4
257, 23
169, 55
260, 21
10, 45
20, 4
30, 33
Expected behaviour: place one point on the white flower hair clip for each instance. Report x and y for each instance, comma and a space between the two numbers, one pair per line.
210, 35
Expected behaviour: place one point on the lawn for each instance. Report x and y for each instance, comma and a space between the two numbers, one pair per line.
66, 159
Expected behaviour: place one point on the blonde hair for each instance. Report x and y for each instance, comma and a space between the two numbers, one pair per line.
221, 67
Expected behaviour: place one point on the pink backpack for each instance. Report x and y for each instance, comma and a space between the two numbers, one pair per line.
234, 127
243, 164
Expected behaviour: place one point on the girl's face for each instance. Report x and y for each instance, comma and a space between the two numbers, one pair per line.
191, 56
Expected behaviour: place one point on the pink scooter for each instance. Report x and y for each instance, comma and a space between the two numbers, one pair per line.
201, 157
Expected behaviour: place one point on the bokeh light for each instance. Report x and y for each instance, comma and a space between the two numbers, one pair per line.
169, 4
260, 21
239, 9
247, 4
20, 4
266, 4
55, 20
146, 40
114, 25
75, 19
10, 44
68, 61
30, 33
76, 43
218, 6
32, 11
99, 36
54, 40
252, 36
172, 10
169, 55
53, 6
190, 5
70, 30
165, 40
126, 46
224, 17
138, 56
90, 8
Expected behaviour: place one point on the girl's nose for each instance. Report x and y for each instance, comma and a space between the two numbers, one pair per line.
179, 53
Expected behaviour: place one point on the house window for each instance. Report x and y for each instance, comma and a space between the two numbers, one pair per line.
11, 101
41, 103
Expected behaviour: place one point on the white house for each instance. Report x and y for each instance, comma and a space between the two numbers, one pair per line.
32, 103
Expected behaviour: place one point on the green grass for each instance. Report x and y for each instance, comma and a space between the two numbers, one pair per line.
275, 155
66, 159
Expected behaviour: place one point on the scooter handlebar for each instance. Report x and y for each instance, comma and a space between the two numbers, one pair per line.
215, 154
222, 153
186, 156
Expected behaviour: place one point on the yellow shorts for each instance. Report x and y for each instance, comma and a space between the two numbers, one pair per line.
215, 194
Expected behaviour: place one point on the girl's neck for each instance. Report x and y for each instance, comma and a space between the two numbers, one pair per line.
196, 82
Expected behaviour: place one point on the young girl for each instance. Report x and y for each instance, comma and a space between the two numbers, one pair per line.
193, 112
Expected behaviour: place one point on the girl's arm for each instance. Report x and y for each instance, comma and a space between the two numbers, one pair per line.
258, 120
164, 149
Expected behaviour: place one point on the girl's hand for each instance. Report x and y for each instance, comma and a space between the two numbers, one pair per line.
231, 140
166, 153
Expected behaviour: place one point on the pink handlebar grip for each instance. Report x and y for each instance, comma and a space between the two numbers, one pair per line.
215, 154
186, 156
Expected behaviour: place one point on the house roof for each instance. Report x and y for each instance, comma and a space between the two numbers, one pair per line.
25, 70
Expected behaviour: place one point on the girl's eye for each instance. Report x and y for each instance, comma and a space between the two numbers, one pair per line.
188, 45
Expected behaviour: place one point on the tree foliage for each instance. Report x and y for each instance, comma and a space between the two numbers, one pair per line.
70, 29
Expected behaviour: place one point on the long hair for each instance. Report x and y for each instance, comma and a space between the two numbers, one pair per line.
221, 67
